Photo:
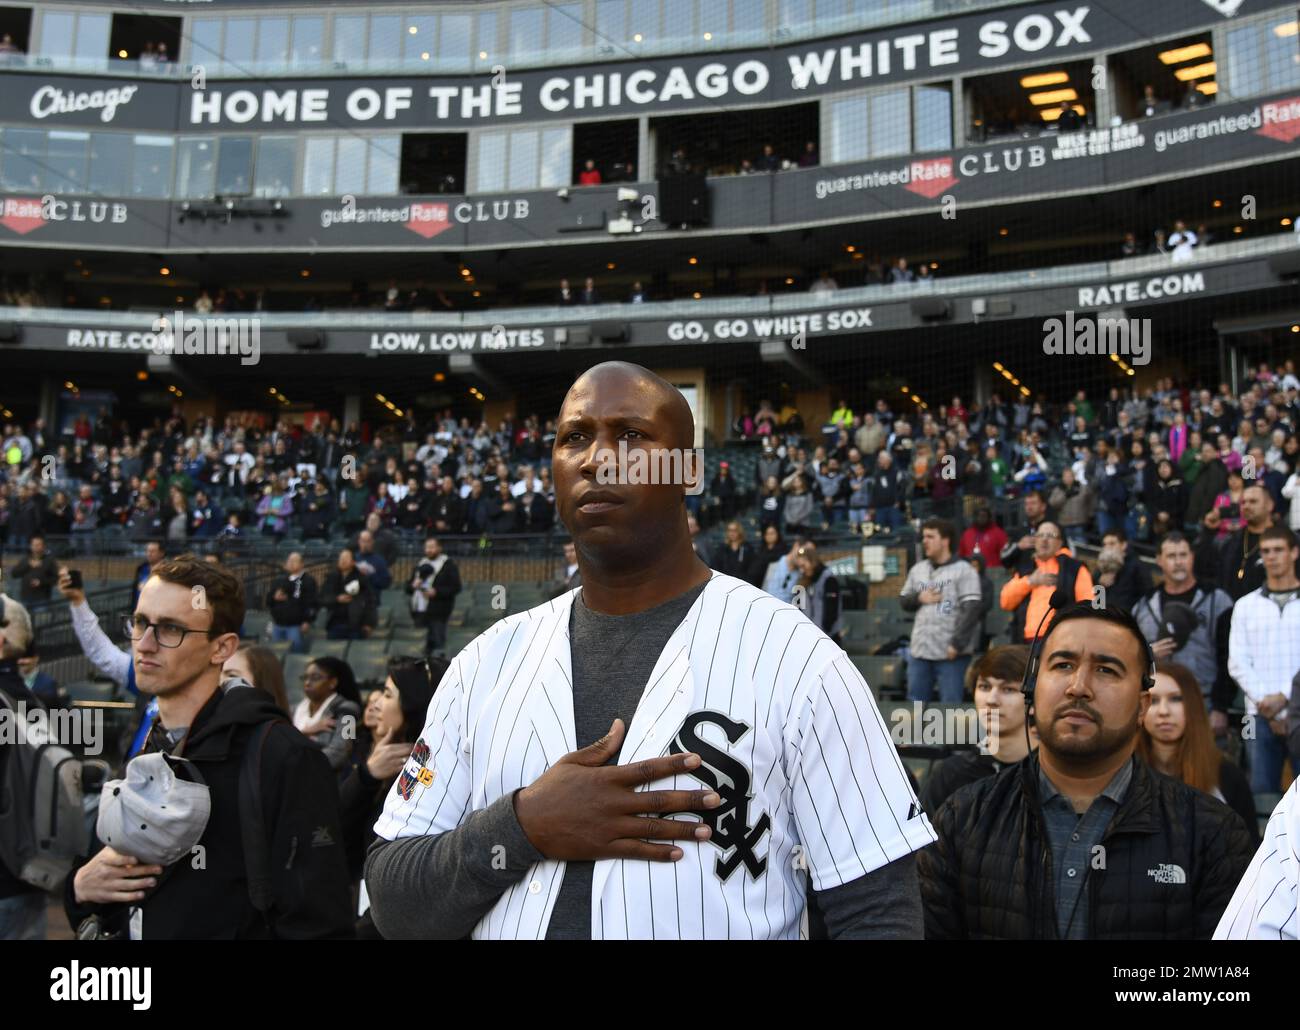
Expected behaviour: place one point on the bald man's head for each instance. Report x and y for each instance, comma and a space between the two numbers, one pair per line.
654, 390
618, 407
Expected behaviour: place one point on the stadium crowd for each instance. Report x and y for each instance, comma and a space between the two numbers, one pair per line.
1207, 480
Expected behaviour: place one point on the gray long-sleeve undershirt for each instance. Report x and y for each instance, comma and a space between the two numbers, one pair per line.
439, 887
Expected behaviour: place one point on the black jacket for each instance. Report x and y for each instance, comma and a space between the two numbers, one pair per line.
1132, 583
300, 804
358, 612
446, 584
989, 876
953, 773
300, 607
735, 562
36, 579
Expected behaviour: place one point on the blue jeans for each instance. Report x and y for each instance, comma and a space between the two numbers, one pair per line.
293, 634
22, 917
889, 516
951, 676
1266, 752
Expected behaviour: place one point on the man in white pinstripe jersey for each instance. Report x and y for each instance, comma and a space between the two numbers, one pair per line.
744, 761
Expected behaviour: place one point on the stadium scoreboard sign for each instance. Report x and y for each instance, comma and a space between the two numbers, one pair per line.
963, 45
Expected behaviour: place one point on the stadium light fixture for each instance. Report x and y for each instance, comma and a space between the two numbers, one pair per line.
424, 55
164, 271
1217, 203
122, 54
1238, 229
1287, 28
305, 273
412, 30
692, 260
439, 377
1004, 231
1295, 328
636, 37
849, 248
1185, 53
1208, 88
708, 36
1050, 114
142, 375
610, 266
1285, 221
1044, 79
1196, 71
1053, 96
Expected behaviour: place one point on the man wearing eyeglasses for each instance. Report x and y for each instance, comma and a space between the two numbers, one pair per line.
1057, 581
185, 626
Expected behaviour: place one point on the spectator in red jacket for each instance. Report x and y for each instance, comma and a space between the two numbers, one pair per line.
984, 538
590, 174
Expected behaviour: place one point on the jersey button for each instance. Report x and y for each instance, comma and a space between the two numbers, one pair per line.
1071, 873
535, 887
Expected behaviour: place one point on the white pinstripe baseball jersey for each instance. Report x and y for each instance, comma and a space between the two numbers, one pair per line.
1264, 905
787, 731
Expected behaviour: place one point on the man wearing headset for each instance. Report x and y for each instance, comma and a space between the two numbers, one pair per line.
1081, 839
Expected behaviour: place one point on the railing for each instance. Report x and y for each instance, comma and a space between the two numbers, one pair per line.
992, 282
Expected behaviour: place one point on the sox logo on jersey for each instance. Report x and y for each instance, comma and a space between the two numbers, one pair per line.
788, 734
730, 779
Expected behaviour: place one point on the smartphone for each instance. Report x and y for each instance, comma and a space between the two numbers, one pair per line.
74, 579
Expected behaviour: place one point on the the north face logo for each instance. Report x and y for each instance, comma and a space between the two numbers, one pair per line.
21, 214
428, 220
1167, 873
321, 837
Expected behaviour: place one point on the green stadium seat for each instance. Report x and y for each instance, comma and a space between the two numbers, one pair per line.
369, 660
334, 648
294, 666
880, 672
255, 625
279, 648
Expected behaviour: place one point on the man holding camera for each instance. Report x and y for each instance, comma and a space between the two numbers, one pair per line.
433, 591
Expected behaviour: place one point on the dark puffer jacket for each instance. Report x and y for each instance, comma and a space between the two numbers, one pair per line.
989, 876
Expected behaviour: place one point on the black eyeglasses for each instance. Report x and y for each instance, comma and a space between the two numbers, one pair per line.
168, 634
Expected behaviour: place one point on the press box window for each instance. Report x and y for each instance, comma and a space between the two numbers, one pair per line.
151, 167
1263, 57
134, 37
273, 170
65, 161
81, 37
196, 167
522, 159
110, 164
16, 23
22, 159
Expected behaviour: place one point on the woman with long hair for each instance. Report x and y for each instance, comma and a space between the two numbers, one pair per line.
395, 715
1174, 738
820, 592
331, 706
261, 667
